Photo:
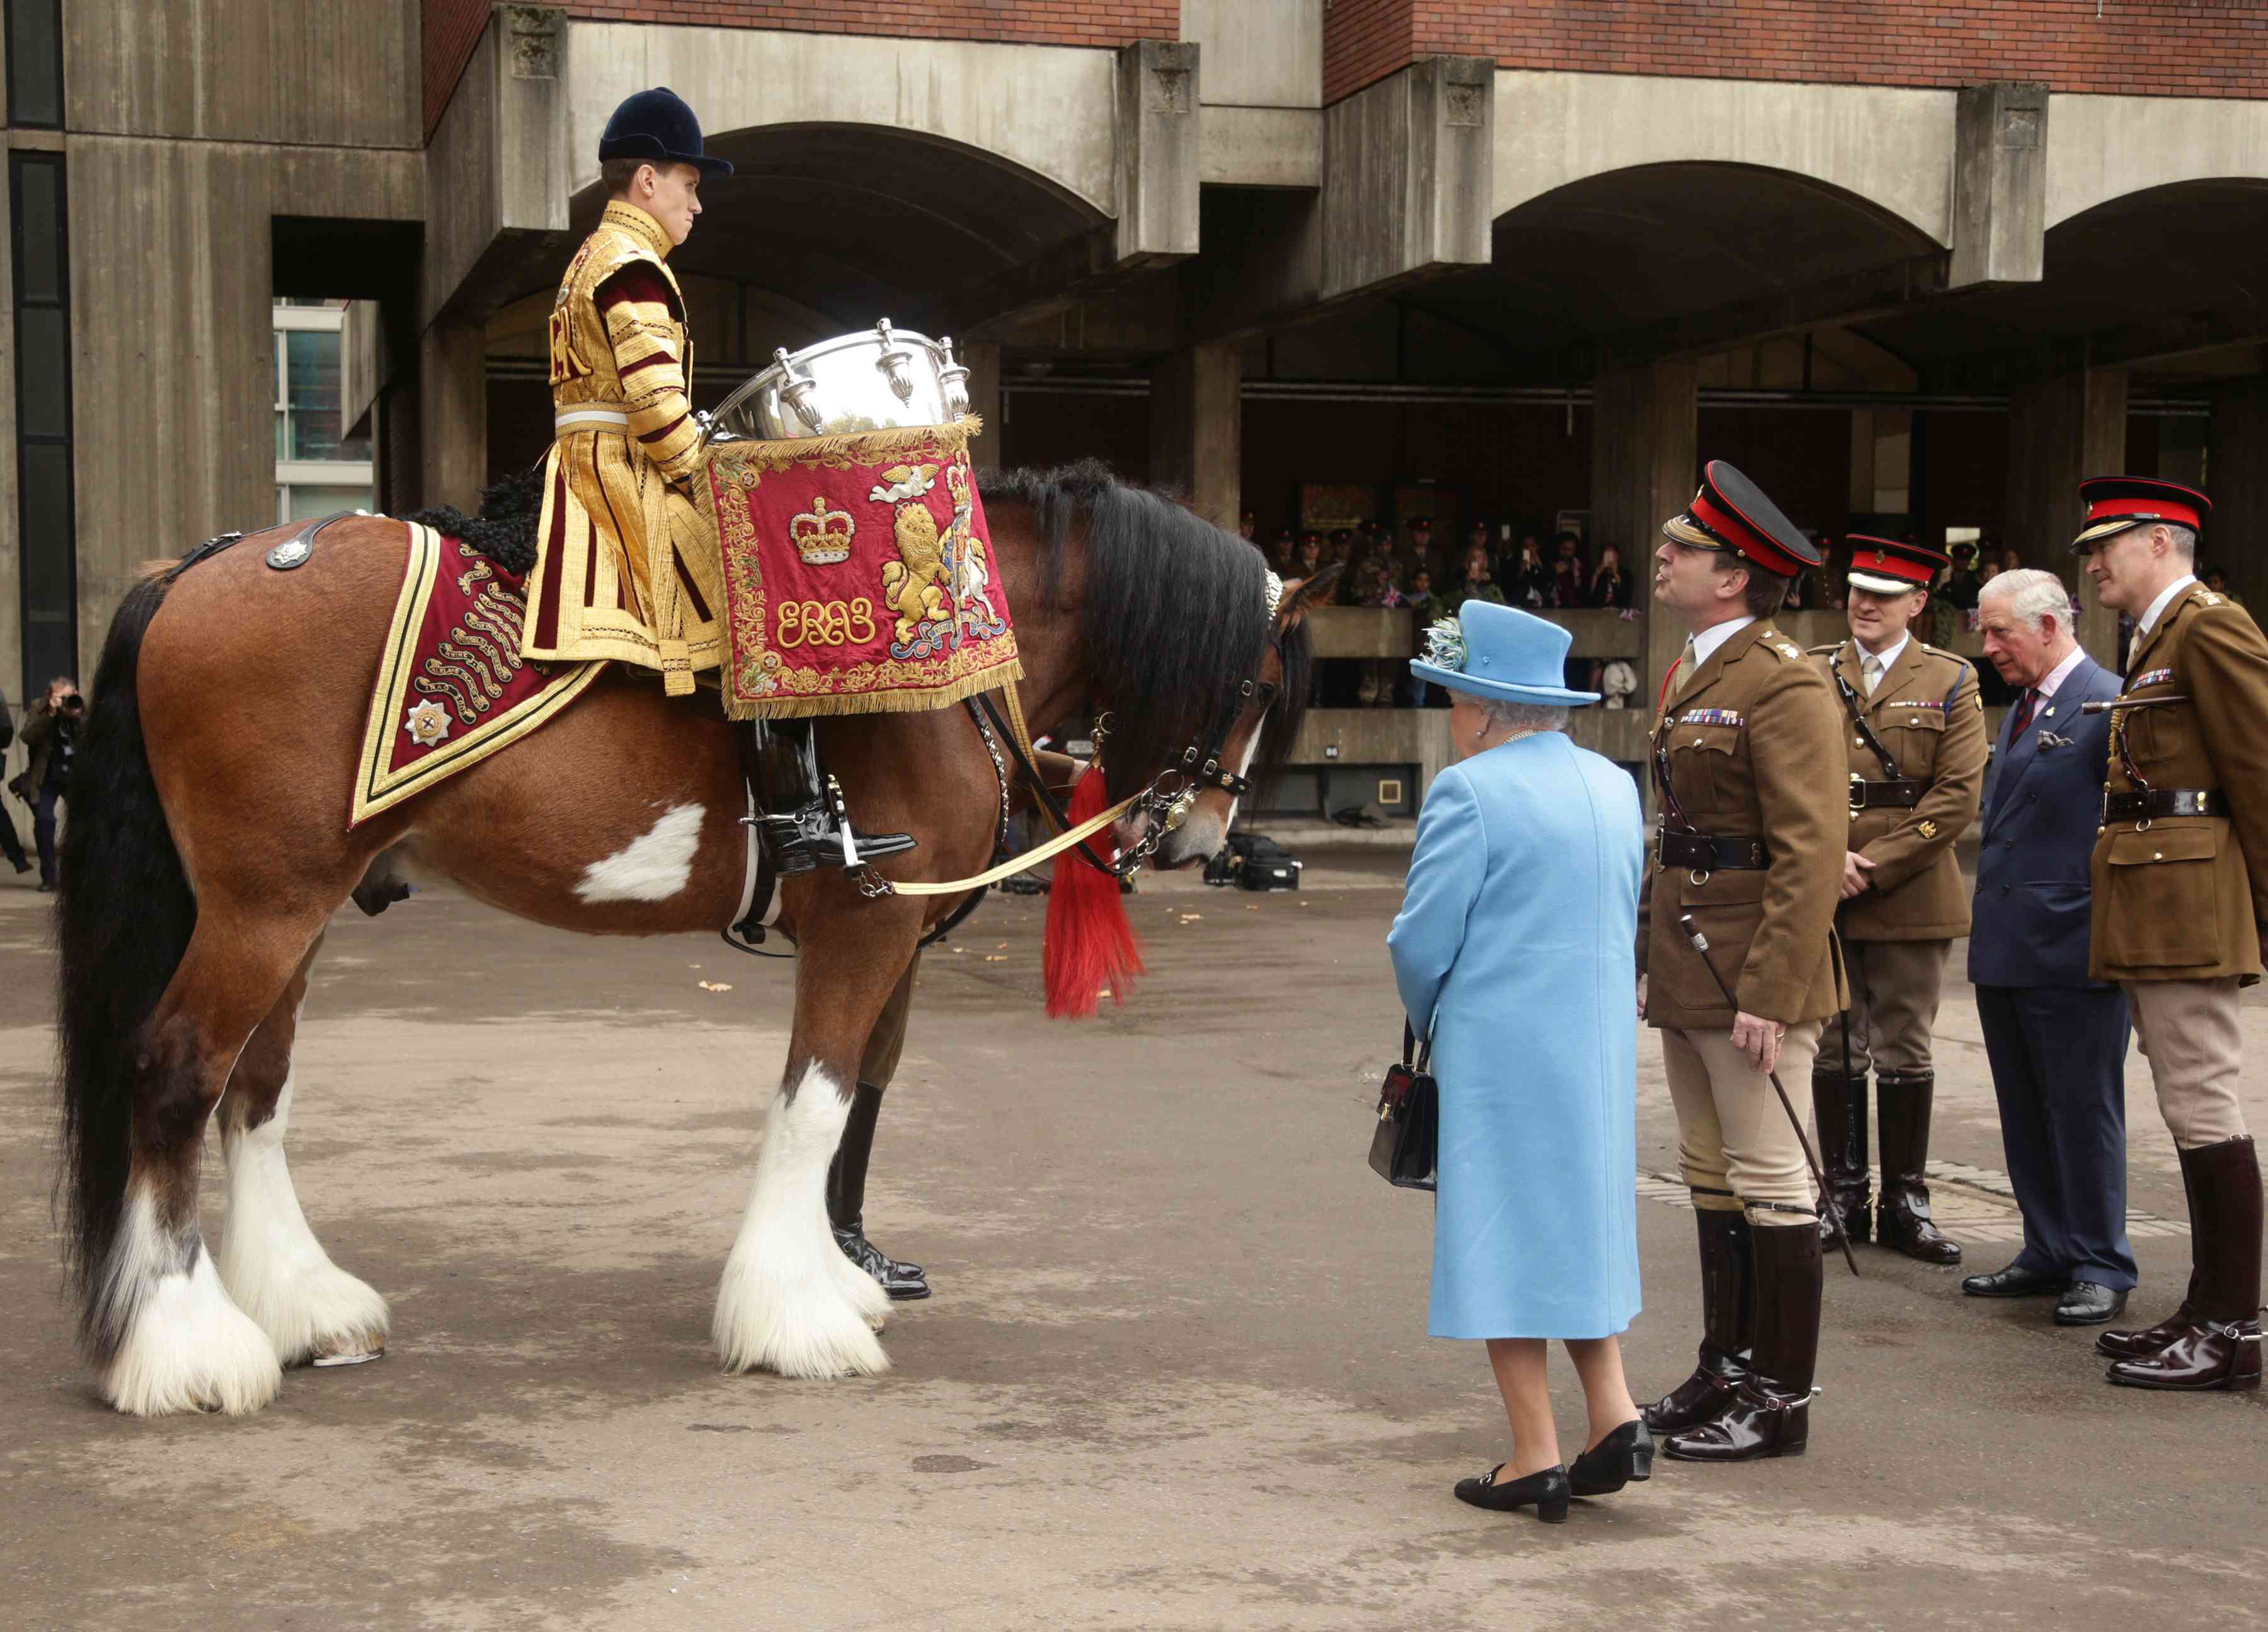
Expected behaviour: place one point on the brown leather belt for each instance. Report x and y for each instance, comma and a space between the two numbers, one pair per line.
1705, 854
1903, 793
2164, 802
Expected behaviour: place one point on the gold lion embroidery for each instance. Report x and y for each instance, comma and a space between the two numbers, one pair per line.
913, 586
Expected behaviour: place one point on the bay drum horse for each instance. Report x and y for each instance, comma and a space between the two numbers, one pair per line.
208, 846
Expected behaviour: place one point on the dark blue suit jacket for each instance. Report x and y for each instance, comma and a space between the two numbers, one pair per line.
2035, 834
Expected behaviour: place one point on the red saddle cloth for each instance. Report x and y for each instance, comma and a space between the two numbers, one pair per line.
452, 686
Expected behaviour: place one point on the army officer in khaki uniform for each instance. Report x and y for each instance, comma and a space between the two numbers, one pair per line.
1914, 741
2181, 900
1748, 773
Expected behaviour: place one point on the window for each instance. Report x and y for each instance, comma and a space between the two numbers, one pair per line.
46, 521
35, 63
319, 471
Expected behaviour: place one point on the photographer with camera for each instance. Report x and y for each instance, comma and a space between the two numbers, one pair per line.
51, 728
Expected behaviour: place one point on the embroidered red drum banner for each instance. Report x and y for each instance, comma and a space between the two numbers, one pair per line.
859, 574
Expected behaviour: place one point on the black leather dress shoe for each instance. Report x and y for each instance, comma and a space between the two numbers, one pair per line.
2015, 1282
1623, 1457
2087, 1304
1546, 1492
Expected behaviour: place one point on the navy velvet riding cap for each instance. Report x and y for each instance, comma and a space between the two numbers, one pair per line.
657, 124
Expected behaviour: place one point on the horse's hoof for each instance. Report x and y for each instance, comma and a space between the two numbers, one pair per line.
360, 1359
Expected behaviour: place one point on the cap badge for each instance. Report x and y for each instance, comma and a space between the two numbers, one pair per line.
1928, 829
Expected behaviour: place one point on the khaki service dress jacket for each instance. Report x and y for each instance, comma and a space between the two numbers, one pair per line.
1929, 714
2185, 898
1751, 743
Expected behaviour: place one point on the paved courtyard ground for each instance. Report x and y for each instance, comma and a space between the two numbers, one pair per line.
1175, 1374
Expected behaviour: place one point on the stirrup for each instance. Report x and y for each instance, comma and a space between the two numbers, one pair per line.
818, 833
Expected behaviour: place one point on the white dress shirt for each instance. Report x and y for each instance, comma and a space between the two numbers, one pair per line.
1705, 643
1885, 661
2054, 678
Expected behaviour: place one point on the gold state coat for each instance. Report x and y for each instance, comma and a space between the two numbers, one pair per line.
1752, 746
2185, 898
1929, 714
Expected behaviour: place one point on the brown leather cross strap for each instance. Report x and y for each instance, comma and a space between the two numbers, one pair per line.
2164, 802
1705, 854
1902, 793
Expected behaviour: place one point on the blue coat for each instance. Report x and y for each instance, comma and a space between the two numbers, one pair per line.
2035, 834
1516, 946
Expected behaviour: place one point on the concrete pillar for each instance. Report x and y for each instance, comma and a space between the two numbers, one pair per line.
1408, 168
982, 358
1645, 465
1196, 428
452, 414
1999, 185
1158, 184
2236, 476
2060, 431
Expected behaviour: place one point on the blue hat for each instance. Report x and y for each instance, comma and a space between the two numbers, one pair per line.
1500, 652
658, 125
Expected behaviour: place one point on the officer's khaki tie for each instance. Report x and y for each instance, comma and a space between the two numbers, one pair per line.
1688, 660
1871, 672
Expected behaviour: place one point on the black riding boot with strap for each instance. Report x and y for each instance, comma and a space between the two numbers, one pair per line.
1840, 1103
846, 1201
805, 820
1902, 1220
1771, 1414
1728, 1306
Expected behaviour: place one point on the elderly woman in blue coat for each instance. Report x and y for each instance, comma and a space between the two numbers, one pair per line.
1515, 951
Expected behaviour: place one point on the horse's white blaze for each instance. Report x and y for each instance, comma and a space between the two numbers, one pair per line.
187, 1348
274, 1267
653, 866
786, 1305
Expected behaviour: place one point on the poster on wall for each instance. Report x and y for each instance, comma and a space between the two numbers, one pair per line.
1326, 507
1575, 521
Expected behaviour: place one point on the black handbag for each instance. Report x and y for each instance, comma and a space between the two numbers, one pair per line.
1403, 1143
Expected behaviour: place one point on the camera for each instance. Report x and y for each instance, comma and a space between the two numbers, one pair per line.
72, 703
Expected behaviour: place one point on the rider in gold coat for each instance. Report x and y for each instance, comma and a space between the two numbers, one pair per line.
627, 566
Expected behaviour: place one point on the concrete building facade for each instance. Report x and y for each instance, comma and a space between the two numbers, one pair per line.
1916, 266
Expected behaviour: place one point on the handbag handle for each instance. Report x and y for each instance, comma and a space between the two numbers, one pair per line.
1410, 1045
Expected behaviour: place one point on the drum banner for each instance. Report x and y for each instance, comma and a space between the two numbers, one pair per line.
859, 574
452, 686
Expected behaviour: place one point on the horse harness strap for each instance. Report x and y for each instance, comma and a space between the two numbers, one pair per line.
294, 551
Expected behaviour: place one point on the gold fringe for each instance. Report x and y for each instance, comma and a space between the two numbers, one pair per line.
902, 702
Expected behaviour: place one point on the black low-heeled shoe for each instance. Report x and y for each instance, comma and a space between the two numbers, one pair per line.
1623, 1457
1546, 1492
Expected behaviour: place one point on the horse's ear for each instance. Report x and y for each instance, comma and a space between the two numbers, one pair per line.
1303, 596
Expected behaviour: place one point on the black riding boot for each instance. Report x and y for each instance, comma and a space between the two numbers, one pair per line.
846, 1201
1728, 1310
803, 816
1840, 1104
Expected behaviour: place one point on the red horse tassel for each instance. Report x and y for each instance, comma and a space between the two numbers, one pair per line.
1090, 947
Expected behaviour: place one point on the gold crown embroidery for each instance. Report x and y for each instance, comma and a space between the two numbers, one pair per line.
822, 536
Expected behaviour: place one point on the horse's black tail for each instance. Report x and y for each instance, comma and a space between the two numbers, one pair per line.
124, 913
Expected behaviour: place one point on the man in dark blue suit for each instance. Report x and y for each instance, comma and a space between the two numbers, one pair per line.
2057, 1040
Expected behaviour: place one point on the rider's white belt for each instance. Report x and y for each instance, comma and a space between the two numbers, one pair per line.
589, 418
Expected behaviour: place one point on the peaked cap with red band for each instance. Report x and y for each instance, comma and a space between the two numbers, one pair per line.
1731, 512
1889, 566
2115, 503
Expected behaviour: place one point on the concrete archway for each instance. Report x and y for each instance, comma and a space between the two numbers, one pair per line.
2102, 149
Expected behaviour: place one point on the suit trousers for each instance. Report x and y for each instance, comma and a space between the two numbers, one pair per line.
2059, 1060
1894, 991
2188, 1031
1734, 1140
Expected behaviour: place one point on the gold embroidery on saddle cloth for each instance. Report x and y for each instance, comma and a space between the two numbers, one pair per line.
399, 720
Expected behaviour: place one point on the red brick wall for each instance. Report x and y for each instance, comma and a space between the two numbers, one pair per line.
452, 29
2158, 47
1026, 22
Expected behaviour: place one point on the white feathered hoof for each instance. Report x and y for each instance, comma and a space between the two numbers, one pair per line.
320, 1314
772, 1318
187, 1348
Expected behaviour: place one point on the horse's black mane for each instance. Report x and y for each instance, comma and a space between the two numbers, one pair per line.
504, 530
1173, 619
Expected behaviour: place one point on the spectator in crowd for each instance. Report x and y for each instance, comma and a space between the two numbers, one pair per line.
1246, 525
1531, 581
11, 846
1962, 589
1420, 547
2215, 579
1479, 583
51, 728
1568, 588
1310, 559
1522, 897
2055, 1039
1339, 551
1609, 584
1477, 533
1418, 594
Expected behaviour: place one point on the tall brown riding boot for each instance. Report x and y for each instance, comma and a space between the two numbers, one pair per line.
1728, 1310
1840, 1104
2136, 1345
2220, 1348
1771, 1414
1902, 1218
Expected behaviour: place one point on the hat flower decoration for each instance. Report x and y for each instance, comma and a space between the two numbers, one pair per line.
1502, 653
